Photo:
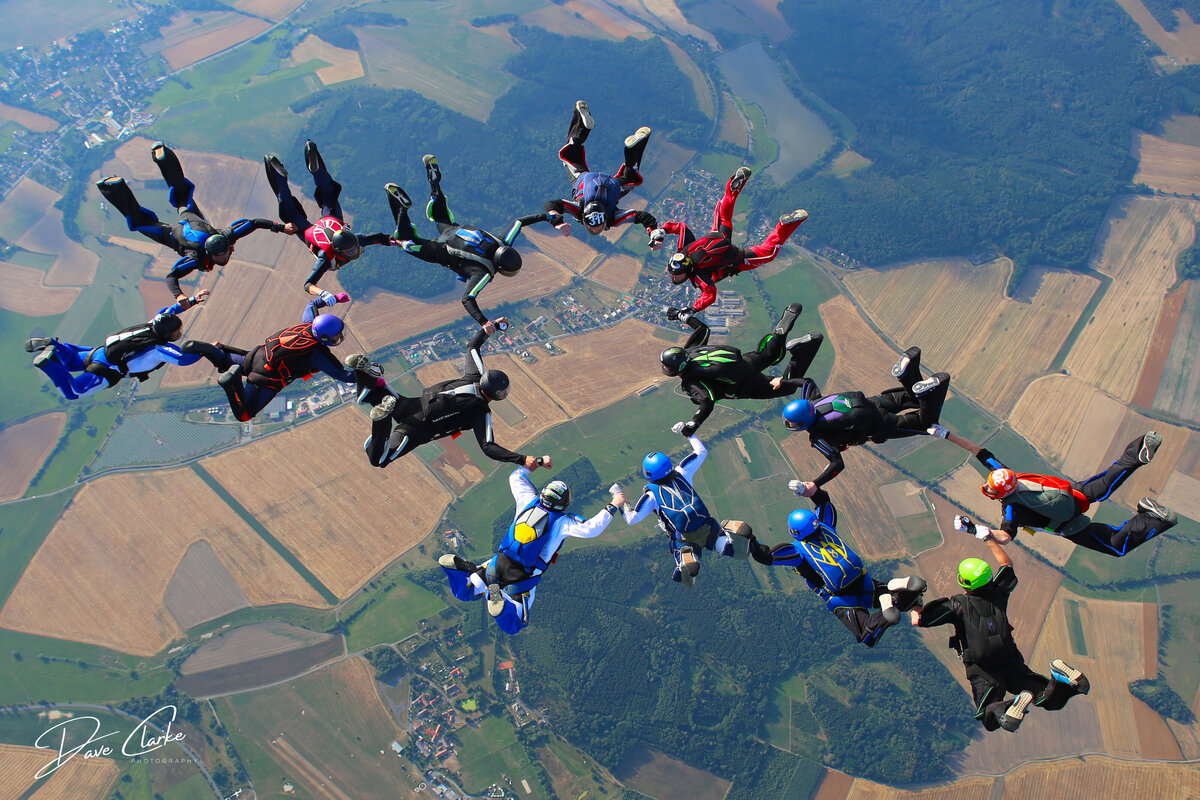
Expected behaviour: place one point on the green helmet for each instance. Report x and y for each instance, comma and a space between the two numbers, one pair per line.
974, 573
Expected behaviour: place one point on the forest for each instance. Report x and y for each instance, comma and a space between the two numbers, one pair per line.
500, 169
922, 83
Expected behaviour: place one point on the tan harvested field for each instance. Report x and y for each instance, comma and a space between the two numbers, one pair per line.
973, 788
344, 65
77, 779
30, 120
618, 271
656, 774
1143, 237
766, 14
202, 589
1181, 128
1160, 347
23, 289
31, 221
1182, 46
271, 9
600, 365
455, 466
526, 394
903, 498
834, 785
733, 125
1075, 442
863, 514
1101, 777
956, 312
101, 578
574, 252
25, 446
669, 14
344, 519
25, 204
188, 42
247, 643
155, 295
862, 361
383, 317
1169, 167
590, 19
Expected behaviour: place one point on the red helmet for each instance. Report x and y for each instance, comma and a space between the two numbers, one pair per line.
1000, 483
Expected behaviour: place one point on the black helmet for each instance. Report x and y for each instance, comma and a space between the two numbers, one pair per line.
556, 496
593, 214
507, 260
494, 384
680, 267
216, 245
164, 326
345, 244
673, 360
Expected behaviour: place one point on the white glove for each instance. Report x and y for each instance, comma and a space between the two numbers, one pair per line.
937, 431
677, 427
797, 488
983, 533
657, 237
615, 489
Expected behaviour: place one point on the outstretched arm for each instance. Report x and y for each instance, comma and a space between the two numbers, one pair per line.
645, 506
521, 487
522, 222
692, 462
700, 332
244, 227
483, 435
473, 361
183, 267
319, 269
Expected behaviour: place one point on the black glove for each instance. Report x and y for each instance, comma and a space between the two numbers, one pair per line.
672, 313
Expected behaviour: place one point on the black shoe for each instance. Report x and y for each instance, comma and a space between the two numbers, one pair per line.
790, 315
37, 343
432, 170
739, 179
394, 190
910, 355
273, 164
929, 384
231, 378
1016, 712
451, 561
312, 157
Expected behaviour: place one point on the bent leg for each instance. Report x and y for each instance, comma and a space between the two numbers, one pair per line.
515, 615
802, 352
723, 214
465, 585
1100, 487
180, 190
572, 154
138, 218
989, 700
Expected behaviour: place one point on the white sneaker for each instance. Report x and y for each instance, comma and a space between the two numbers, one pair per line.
1016, 711
585, 114
638, 136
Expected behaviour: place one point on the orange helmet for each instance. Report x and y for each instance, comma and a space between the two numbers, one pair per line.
1000, 483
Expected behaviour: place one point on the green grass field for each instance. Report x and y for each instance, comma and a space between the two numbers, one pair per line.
765, 458
488, 751
965, 419
920, 532
1179, 645
933, 460
64, 467
394, 615
50, 669
1015, 452
24, 527
1075, 628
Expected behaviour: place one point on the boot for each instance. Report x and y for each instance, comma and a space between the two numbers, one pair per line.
790, 315
585, 114
385, 408
399, 195
44, 357
312, 157
359, 362
891, 614
1150, 443
688, 561
432, 170
38, 343
911, 356
495, 600
637, 137
929, 384
739, 179
797, 216
802, 352
1063, 673
1152, 508
451, 561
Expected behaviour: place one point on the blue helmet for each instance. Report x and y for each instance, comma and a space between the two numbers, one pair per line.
656, 466
798, 415
802, 523
328, 328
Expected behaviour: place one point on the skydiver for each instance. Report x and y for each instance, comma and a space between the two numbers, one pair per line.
292, 353
682, 515
984, 641
1056, 505
836, 573
329, 238
836, 422
709, 374
595, 194
135, 351
509, 579
446, 409
471, 253
195, 239
713, 257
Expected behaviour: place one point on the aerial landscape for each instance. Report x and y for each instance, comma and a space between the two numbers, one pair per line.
210, 590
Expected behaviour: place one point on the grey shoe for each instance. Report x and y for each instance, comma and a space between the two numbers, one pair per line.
44, 357
929, 384
432, 170
739, 179
360, 363
1153, 508
1150, 443
909, 356
585, 114
636, 138
788, 319
1016, 712
799, 215
37, 343
385, 408
495, 600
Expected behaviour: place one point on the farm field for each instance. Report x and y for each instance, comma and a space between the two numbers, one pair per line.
346, 519
344, 65
101, 578
573, 252
1170, 167
385, 318
25, 446
247, 643
1174, 387
587, 18
325, 732
934, 304
31, 221
195, 36
24, 290
1182, 46
30, 28
76, 778
271, 9
656, 774
1142, 238
618, 271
